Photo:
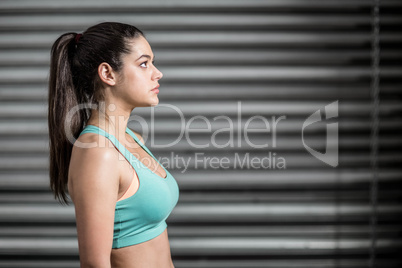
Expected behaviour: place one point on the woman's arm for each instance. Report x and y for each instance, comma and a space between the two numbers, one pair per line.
93, 187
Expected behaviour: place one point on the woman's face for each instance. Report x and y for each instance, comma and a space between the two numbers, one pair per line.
139, 77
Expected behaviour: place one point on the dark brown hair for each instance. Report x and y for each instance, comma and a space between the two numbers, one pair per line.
74, 80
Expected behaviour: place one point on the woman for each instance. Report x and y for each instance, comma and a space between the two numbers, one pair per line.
122, 195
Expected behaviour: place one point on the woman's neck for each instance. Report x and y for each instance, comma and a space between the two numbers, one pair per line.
111, 118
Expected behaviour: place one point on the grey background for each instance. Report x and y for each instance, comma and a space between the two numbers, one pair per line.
278, 58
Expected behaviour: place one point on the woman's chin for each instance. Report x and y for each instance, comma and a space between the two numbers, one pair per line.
148, 103
155, 103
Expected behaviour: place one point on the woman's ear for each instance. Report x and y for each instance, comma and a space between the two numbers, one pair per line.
106, 74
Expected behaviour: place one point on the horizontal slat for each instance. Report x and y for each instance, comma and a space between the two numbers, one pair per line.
352, 195
264, 143
214, 108
313, 231
24, 128
271, 91
288, 263
275, 213
271, 160
339, 196
39, 264
27, 127
202, 56
38, 231
21, 147
185, 21
20, 181
211, 246
274, 179
206, 263
127, 5
310, 231
213, 180
209, 263
228, 73
240, 213
31, 93
261, 246
224, 39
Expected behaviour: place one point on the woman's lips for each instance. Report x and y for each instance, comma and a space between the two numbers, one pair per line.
156, 89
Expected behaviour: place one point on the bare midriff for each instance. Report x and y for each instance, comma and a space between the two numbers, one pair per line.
154, 253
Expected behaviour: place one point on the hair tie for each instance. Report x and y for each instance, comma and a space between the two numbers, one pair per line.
77, 38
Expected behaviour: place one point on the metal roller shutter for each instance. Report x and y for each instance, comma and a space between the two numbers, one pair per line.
268, 58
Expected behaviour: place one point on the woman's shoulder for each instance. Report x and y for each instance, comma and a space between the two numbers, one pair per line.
94, 148
92, 170
94, 160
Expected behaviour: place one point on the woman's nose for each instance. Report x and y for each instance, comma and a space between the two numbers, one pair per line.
158, 74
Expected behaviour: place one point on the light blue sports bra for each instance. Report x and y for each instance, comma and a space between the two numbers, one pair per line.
142, 216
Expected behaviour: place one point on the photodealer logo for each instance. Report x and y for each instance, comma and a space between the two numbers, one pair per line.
330, 156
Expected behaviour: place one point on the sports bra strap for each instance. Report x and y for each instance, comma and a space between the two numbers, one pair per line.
116, 143
139, 142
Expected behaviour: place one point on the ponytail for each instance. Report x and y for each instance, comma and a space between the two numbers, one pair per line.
62, 98
73, 81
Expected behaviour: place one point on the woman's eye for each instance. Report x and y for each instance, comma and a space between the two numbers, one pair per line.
144, 64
